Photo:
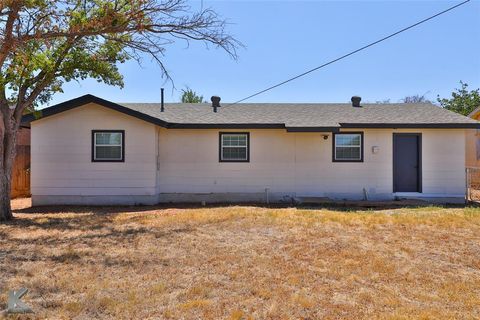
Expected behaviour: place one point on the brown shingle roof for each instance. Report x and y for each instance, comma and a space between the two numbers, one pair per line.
292, 116
304, 114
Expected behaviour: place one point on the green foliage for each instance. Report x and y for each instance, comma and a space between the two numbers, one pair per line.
463, 101
62, 61
190, 96
38, 67
45, 43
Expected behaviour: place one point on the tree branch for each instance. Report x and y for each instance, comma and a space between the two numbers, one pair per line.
7, 42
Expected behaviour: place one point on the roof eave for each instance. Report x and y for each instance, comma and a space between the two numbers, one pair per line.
412, 125
313, 129
226, 126
86, 99
250, 126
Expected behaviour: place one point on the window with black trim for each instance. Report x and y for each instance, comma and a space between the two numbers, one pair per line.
348, 147
108, 146
234, 147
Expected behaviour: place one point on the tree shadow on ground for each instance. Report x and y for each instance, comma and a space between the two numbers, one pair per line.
81, 222
75, 249
333, 205
102, 218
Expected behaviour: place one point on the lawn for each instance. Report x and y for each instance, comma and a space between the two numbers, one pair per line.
243, 262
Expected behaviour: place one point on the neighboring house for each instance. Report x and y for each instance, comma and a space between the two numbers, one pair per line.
21, 167
92, 151
472, 143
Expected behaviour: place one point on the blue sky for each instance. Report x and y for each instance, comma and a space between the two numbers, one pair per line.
284, 38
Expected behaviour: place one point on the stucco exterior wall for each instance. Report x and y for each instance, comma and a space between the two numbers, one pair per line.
62, 166
300, 164
180, 165
443, 162
472, 139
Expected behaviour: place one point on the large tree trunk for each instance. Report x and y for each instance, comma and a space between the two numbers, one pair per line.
5, 187
8, 142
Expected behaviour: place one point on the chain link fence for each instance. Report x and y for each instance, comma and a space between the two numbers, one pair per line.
472, 181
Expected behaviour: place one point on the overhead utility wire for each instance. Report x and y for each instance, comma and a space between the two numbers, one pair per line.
352, 52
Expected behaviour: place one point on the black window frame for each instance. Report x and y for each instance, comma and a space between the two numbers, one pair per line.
334, 146
108, 131
220, 146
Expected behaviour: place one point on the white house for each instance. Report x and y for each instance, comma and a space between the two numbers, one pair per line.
92, 151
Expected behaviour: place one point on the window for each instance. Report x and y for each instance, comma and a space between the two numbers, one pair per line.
348, 147
108, 146
234, 147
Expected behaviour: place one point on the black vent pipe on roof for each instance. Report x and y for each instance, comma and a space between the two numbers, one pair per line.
162, 108
215, 102
356, 101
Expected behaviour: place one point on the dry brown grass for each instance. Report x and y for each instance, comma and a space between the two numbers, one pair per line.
243, 262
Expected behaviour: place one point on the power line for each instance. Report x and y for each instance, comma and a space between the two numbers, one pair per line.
352, 52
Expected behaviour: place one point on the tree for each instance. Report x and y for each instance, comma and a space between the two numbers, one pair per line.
462, 101
190, 96
415, 99
45, 43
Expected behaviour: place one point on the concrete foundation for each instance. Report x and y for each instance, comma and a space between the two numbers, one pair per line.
211, 198
94, 200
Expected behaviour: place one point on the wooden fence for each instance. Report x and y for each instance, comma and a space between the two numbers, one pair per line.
21, 173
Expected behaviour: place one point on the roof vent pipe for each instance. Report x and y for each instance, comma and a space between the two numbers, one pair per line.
356, 101
162, 108
215, 102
